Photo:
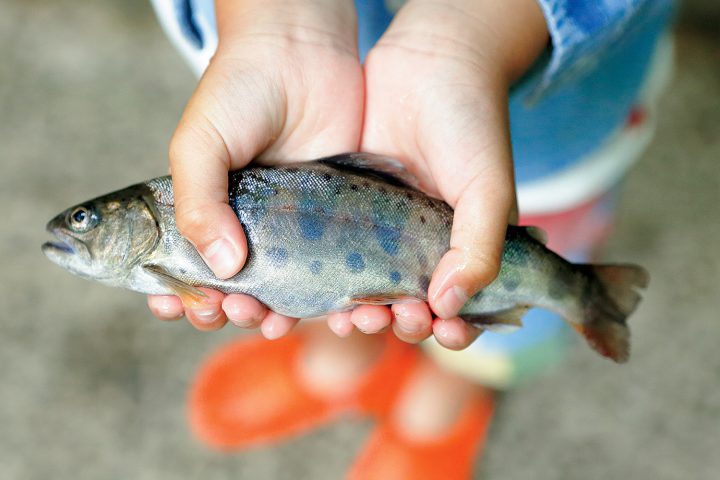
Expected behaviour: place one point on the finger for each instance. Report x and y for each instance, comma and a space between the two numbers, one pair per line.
199, 163
275, 325
208, 314
165, 307
371, 318
412, 322
340, 323
478, 235
213, 137
479, 184
454, 333
244, 311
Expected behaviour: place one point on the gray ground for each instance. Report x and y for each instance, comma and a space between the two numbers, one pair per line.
92, 387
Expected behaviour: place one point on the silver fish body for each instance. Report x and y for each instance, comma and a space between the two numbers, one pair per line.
325, 236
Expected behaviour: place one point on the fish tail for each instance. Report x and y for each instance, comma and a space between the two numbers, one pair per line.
610, 298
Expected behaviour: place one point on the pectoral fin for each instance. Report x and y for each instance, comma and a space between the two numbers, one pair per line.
502, 321
384, 299
187, 293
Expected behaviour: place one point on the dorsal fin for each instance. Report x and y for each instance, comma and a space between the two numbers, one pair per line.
537, 233
384, 168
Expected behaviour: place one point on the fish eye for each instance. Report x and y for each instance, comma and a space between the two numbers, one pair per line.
82, 219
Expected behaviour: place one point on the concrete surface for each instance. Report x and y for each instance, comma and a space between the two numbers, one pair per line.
91, 387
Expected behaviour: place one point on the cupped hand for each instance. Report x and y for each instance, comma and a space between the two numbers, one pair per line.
437, 93
437, 85
285, 84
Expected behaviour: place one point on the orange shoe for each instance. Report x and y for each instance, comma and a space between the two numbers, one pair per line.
388, 454
248, 392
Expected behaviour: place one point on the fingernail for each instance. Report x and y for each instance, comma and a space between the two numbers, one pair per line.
166, 309
270, 330
239, 317
222, 258
246, 322
450, 302
206, 316
363, 322
440, 330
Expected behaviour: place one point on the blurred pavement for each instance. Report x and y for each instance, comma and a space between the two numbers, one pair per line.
92, 387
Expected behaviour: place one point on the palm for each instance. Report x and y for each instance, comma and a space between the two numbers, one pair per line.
303, 105
441, 117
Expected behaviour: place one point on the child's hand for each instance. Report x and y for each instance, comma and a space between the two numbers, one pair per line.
284, 84
436, 99
437, 85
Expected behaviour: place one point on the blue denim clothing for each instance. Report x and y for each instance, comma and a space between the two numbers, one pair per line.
574, 98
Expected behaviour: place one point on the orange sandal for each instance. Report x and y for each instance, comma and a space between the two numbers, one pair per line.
388, 454
248, 392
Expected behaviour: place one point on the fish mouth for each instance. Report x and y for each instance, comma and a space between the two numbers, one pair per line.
58, 246
63, 244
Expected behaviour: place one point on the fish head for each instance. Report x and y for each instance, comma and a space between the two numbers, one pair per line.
104, 238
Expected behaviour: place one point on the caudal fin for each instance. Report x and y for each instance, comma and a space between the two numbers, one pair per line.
611, 298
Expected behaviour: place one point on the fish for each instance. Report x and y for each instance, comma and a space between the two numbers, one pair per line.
328, 235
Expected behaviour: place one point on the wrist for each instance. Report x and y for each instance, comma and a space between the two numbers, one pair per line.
502, 39
288, 23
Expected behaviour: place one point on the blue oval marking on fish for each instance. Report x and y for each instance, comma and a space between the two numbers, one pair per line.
315, 267
395, 276
278, 256
355, 262
388, 238
312, 218
311, 226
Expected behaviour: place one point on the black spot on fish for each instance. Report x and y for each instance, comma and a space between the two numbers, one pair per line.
355, 262
365, 183
422, 219
327, 176
353, 187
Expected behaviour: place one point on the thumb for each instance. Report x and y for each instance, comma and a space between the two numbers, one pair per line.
481, 216
223, 127
480, 186
199, 163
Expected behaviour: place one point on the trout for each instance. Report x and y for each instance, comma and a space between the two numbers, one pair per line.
328, 235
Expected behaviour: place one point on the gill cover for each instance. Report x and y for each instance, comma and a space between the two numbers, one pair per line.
127, 229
